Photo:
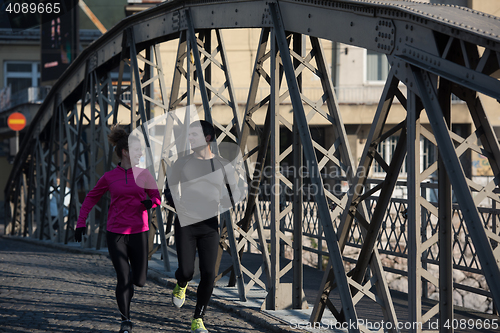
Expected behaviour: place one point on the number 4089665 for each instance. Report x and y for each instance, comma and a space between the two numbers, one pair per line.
33, 7
472, 324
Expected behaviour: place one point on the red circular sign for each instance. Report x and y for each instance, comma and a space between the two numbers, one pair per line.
16, 121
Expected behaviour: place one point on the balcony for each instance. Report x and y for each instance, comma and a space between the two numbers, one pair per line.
32, 95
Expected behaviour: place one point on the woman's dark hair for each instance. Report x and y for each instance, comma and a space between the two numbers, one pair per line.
208, 129
118, 137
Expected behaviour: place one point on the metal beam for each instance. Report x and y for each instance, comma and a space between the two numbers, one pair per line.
305, 136
458, 180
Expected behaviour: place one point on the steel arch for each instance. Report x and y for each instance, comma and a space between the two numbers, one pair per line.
433, 50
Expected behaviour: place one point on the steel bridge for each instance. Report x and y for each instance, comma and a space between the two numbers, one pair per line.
434, 51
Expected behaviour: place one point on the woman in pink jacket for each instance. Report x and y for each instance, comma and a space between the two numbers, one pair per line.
127, 226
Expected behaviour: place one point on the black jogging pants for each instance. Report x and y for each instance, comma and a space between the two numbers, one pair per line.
129, 254
203, 236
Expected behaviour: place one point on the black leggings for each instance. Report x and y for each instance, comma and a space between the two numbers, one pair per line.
204, 236
129, 254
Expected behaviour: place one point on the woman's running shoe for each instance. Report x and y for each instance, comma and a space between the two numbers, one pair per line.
126, 327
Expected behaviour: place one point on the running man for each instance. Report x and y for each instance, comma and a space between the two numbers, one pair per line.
198, 185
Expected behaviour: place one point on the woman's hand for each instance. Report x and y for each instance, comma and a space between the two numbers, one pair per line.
147, 203
79, 232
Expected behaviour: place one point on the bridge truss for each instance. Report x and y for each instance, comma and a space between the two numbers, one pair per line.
434, 51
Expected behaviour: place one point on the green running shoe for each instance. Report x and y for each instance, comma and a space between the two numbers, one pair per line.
179, 295
197, 326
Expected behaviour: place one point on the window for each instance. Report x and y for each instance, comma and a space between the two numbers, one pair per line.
427, 152
21, 75
377, 66
386, 150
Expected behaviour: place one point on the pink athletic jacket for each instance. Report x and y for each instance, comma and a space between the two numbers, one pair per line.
126, 215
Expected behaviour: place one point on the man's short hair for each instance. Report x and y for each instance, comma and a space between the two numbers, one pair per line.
208, 129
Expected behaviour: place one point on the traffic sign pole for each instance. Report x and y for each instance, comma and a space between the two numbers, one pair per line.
16, 147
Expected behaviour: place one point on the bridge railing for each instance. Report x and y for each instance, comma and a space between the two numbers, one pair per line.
392, 238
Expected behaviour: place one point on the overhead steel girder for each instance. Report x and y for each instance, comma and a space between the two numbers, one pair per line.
389, 27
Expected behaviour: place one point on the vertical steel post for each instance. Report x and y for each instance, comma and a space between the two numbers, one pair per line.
414, 211
298, 271
273, 296
445, 223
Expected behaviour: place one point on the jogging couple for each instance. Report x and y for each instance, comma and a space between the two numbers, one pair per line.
196, 182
